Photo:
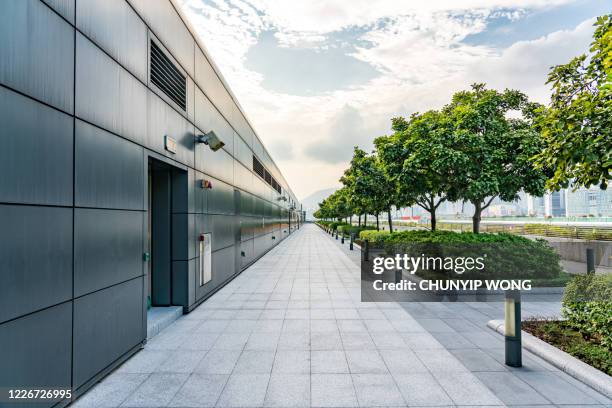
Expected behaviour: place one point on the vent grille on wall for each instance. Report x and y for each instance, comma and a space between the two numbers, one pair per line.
166, 76
265, 175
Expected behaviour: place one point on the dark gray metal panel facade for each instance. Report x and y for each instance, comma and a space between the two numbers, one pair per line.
79, 122
36, 258
107, 248
36, 153
107, 324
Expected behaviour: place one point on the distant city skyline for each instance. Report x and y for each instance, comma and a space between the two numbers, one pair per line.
317, 77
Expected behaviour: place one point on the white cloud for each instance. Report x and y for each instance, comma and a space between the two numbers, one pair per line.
418, 49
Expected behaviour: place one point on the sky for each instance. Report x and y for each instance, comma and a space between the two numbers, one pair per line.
317, 77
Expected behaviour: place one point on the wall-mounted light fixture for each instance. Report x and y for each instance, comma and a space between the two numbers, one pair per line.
282, 198
205, 184
210, 139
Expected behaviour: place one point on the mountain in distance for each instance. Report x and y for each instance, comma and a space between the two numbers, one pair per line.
310, 204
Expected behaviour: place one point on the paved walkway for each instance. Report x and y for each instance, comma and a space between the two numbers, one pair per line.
291, 331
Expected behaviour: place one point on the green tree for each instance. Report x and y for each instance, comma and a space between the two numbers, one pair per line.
577, 125
489, 154
416, 160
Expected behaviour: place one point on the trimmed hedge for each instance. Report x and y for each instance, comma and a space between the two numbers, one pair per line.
374, 236
587, 306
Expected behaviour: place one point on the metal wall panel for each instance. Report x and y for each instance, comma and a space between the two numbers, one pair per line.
200, 194
108, 95
243, 177
35, 258
221, 198
165, 121
35, 350
246, 249
211, 85
107, 324
37, 49
223, 231
169, 28
207, 118
242, 152
109, 170
107, 248
36, 153
64, 7
115, 27
247, 204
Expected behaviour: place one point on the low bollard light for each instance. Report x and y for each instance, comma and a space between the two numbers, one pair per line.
512, 330
366, 250
342, 241
352, 239
590, 258
336, 235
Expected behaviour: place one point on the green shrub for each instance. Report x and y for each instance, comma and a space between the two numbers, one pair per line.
374, 236
587, 306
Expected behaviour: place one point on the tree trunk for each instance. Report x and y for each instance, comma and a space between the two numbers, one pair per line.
377, 224
359, 224
432, 213
351, 220
365, 219
476, 217
390, 224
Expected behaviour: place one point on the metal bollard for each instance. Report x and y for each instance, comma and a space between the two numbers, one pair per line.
352, 239
590, 258
342, 241
366, 250
512, 329
336, 235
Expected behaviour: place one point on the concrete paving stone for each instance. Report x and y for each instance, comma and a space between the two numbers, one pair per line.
212, 326
240, 326
461, 325
277, 304
273, 314
357, 341
440, 361
346, 314
484, 339
288, 390
466, 389
435, 325
402, 362
510, 389
322, 314
477, 360
421, 341
181, 361
407, 326
377, 390
254, 362
198, 341
298, 304
111, 392
453, 340
302, 314
231, 341
156, 391
378, 326
144, 362
294, 341
224, 314
556, 389
254, 304
323, 326
292, 362
371, 314
388, 340
200, 390
421, 390
332, 390
328, 362
168, 340
218, 362
262, 341
296, 326
244, 390
268, 326
325, 341
602, 399
352, 326
365, 362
